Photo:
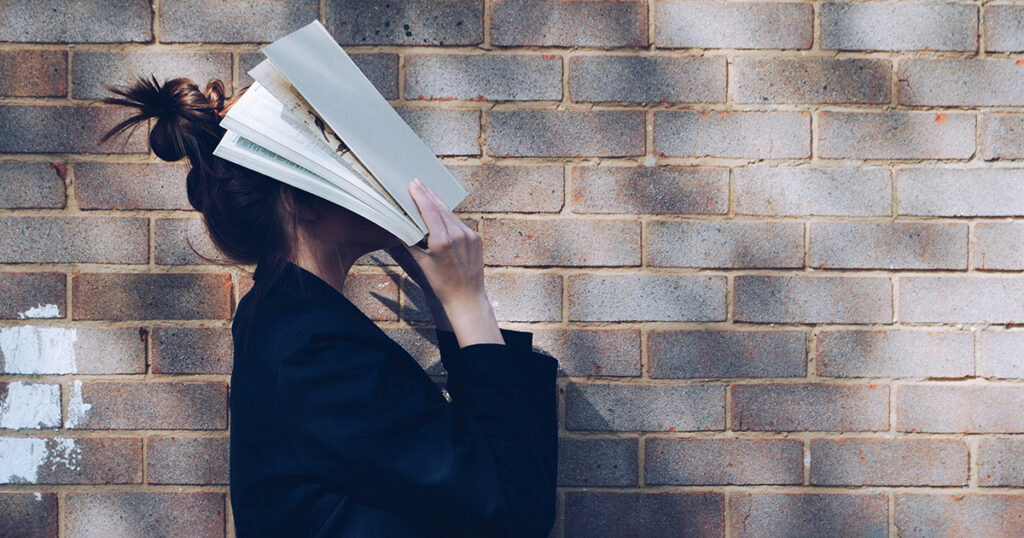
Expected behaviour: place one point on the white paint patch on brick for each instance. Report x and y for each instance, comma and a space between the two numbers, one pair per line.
38, 350
22, 457
77, 409
41, 311
30, 405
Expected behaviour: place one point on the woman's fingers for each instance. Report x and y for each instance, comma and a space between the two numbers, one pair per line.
432, 215
452, 220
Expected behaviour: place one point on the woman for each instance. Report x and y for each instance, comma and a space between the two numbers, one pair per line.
335, 429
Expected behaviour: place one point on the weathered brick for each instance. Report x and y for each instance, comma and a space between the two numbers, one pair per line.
1001, 461
115, 405
724, 244
74, 240
608, 407
689, 462
716, 354
28, 405
501, 188
108, 351
811, 80
145, 514
961, 299
807, 299
647, 79
560, 242
1004, 28
597, 462
888, 462
999, 245
65, 129
118, 296
381, 69
971, 514
952, 408
183, 242
131, 186
187, 350
58, 21
28, 515
784, 191
375, 294
921, 26
33, 295
33, 349
958, 192
514, 296
232, 21
826, 514
895, 135
1002, 136
32, 185
445, 131
60, 460
187, 460
483, 77
931, 353
643, 189
569, 24
409, 22
753, 25
607, 513
977, 82
646, 297
565, 133
888, 245
34, 73
587, 352
761, 135
810, 407
1002, 354
93, 71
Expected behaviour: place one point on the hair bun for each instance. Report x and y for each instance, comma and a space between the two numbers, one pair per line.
215, 91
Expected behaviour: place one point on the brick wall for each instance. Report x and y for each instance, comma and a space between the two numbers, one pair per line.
772, 245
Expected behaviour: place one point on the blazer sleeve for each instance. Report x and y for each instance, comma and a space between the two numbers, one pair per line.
484, 466
451, 354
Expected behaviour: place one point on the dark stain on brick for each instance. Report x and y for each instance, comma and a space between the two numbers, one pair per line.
61, 169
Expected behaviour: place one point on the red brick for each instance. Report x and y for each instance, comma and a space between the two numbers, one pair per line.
956, 408
34, 73
561, 242
514, 189
187, 350
32, 185
565, 133
608, 513
809, 299
121, 296
888, 245
28, 515
708, 245
750, 25
930, 353
74, 240
689, 462
65, 129
592, 352
569, 24
185, 21
895, 135
742, 134
970, 514
187, 460
619, 407
375, 294
115, 405
1001, 461
812, 80
978, 82
58, 21
646, 297
112, 460
647, 79
92, 72
145, 514
184, 242
597, 462
826, 514
810, 407
716, 354
888, 462
23, 292
657, 190
130, 186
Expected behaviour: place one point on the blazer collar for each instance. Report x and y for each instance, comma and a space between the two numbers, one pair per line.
305, 285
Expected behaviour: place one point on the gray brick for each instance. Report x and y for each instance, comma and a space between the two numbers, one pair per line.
689, 462
189, 350
724, 244
34, 73
565, 133
93, 71
569, 24
597, 462
753, 25
91, 21
970, 514
74, 240
821, 514
445, 131
65, 129
408, 22
961, 299
896, 135
182, 242
1001, 462
606, 513
32, 185
24, 292
958, 408
561, 242
191, 21
1002, 354
807, 299
787, 191
716, 354
932, 353
608, 407
187, 460
999, 245
643, 189
1002, 136
647, 79
592, 352
888, 245
961, 82
512, 189
811, 80
483, 77
888, 462
810, 407
30, 515
381, 69
514, 296
131, 186
761, 135
922, 26
644, 297
958, 192
1004, 28
149, 513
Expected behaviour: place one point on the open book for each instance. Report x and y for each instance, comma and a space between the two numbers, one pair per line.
314, 121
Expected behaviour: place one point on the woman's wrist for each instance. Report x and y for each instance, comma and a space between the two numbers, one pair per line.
473, 321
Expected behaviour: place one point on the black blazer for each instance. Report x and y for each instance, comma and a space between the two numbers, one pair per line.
337, 431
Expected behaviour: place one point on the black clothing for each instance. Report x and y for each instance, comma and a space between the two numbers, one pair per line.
337, 431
